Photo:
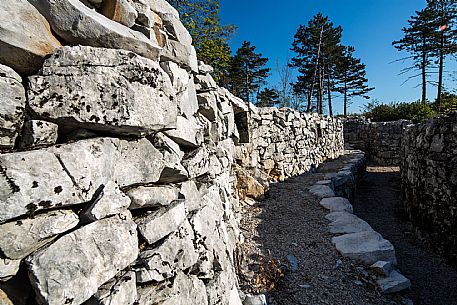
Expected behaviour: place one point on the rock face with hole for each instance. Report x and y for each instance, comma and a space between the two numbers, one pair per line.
25, 37
72, 269
12, 106
105, 90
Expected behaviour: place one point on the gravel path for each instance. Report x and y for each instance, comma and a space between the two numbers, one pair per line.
434, 282
290, 221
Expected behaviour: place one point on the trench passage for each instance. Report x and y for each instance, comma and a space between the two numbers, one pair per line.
377, 201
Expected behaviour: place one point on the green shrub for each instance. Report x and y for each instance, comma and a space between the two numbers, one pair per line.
416, 111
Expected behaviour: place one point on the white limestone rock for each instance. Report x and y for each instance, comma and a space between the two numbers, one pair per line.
344, 222
258, 299
38, 133
184, 87
161, 223
186, 289
187, 133
207, 102
119, 291
336, 204
106, 90
12, 105
120, 11
382, 268
395, 282
78, 24
153, 196
26, 188
175, 254
161, 7
367, 247
205, 82
204, 68
72, 269
21, 237
108, 200
322, 191
8, 268
197, 162
25, 37
173, 171
184, 55
192, 196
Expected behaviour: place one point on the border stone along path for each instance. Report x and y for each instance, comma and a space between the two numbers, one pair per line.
290, 225
377, 201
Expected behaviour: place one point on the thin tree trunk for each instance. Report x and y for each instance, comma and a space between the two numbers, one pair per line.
424, 72
440, 75
321, 90
345, 95
310, 94
329, 92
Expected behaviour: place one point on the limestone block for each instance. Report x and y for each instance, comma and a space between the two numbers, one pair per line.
78, 24
161, 223
184, 87
153, 196
382, 268
367, 247
105, 90
186, 289
118, 291
336, 204
205, 83
207, 102
187, 133
197, 162
20, 238
183, 55
321, 191
175, 254
73, 268
192, 196
120, 11
12, 105
25, 37
395, 282
38, 133
26, 188
8, 269
344, 222
108, 200
204, 68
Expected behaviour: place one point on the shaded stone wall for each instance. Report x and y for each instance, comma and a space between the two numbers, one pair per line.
118, 182
284, 143
381, 141
429, 179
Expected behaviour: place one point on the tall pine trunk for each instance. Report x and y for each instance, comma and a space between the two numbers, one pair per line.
310, 94
329, 92
440, 73
424, 70
345, 94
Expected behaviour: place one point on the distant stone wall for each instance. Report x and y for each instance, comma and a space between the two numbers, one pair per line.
381, 141
284, 143
429, 179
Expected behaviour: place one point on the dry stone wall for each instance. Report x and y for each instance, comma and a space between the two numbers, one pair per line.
284, 143
381, 141
429, 179
121, 159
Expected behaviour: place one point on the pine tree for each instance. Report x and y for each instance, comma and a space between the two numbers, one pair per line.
247, 71
267, 98
418, 40
317, 48
351, 77
445, 13
210, 37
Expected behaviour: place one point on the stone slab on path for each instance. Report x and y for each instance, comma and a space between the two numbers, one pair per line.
344, 223
395, 282
321, 191
336, 204
367, 247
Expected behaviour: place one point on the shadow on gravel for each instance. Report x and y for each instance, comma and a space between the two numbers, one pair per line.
290, 222
434, 282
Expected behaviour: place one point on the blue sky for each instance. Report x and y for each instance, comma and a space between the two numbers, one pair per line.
368, 25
